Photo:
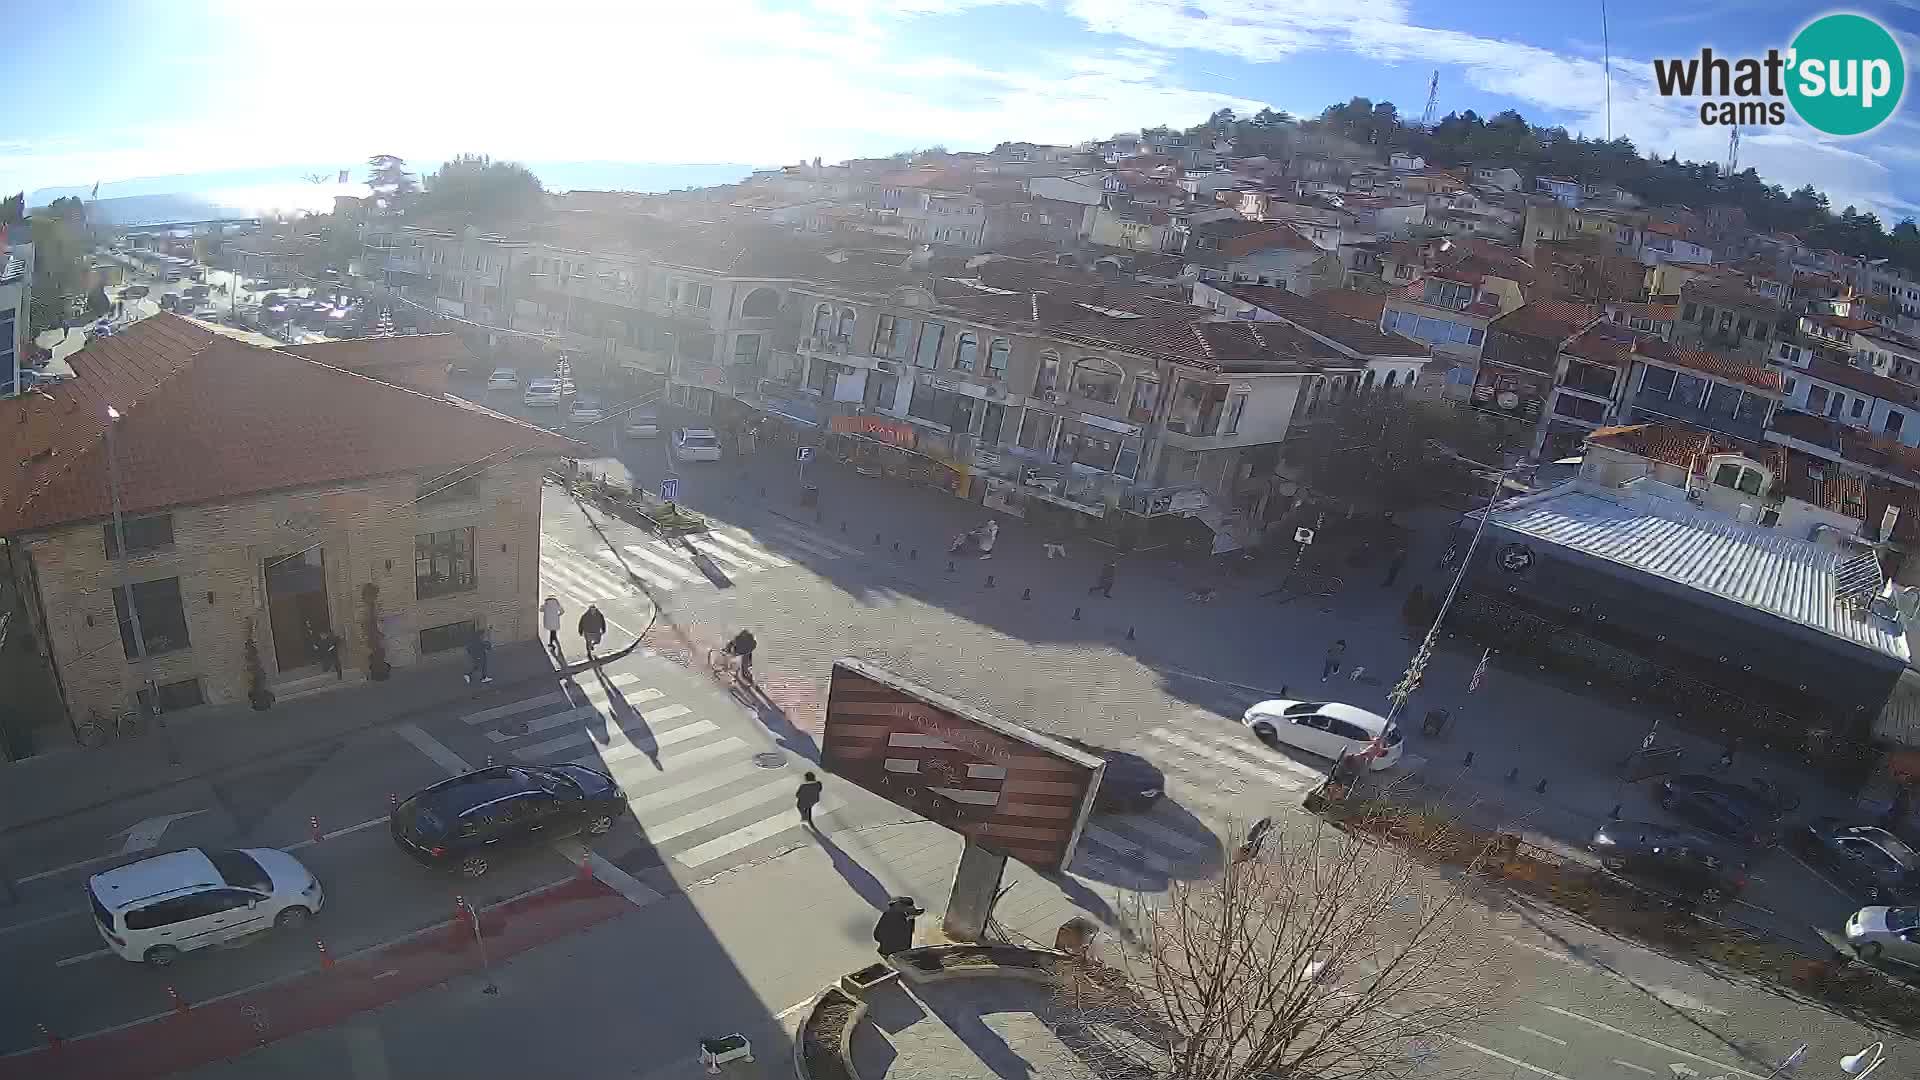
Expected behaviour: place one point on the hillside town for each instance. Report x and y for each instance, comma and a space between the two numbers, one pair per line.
1594, 520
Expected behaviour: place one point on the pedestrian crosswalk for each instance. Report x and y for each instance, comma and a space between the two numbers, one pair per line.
622, 569
699, 788
1213, 780
698, 783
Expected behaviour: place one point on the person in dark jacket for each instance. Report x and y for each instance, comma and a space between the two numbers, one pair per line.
1104, 585
477, 649
806, 797
593, 627
894, 932
742, 646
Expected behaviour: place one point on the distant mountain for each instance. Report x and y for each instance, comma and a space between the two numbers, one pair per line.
252, 192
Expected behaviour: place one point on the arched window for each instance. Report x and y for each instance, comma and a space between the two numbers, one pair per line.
760, 303
1097, 379
997, 358
1391, 376
823, 320
1367, 383
1048, 379
1146, 395
844, 331
966, 353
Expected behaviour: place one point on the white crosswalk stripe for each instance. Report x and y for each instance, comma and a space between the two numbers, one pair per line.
1272, 768
780, 535
672, 572
579, 579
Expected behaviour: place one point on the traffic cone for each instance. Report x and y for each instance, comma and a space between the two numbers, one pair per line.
326, 958
586, 866
179, 1003
47, 1036
314, 822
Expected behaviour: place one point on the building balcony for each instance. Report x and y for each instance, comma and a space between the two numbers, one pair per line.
1645, 405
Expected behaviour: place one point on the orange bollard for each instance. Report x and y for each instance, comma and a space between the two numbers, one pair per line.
393, 803
586, 866
47, 1036
314, 821
458, 931
179, 1003
326, 958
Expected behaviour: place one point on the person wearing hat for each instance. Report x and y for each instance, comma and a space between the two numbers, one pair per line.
894, 932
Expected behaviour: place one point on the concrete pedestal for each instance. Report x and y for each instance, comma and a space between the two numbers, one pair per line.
976, 883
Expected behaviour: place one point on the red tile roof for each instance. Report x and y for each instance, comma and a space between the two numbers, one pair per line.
1354, 304
1684, 447
1310, 313
1547, 320
405, 359
205, 417
1865, 382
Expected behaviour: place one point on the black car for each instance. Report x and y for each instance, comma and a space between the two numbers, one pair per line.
1722, 808
1872, 860
1131, 784
1668, 860
461, 823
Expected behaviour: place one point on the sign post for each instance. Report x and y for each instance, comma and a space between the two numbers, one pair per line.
803, 455
669, 489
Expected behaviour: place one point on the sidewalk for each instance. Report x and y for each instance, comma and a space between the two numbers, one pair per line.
211, 740
740, 952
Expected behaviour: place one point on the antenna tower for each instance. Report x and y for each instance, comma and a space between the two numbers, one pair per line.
1733, 153
1433, 101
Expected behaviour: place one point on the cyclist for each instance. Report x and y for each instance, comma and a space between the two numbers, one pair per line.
742, 646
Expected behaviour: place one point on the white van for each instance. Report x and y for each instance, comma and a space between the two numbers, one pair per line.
155, 909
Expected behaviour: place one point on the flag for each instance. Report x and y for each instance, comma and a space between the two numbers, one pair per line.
343, 176
1480, 672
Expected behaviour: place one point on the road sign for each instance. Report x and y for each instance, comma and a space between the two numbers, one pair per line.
669, 488
803, 454
1303, 535
144, 835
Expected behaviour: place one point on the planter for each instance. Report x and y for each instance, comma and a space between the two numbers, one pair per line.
260, 699
933, 963
859, 983
824, 1049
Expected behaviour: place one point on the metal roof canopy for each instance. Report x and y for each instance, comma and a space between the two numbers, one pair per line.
1754, 567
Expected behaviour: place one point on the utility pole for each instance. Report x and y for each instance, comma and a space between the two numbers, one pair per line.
126, 589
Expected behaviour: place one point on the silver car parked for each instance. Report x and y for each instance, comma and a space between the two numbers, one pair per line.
1891, 932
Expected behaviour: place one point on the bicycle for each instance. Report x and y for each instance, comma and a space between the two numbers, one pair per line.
724, 666
98, 730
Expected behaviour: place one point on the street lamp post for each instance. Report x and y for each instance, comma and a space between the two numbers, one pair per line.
126, 587
1417, 668
1865, 1061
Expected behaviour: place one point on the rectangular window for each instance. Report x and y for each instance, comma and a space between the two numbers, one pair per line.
443, 563
1859, 407
1036, 429
148, 533
1816, 399
995, 417
1049, 375
1096, 449
163, 619
997, 358
446, 637
1687, 313
1688, 390
700, 296
962, 418
746, 349
882, 390
966, 353
172, 697
927, 354
1787, 387
1895, 420
817, 374
1128, 463
1236, 405
1752, 409
883, 336
1723, 400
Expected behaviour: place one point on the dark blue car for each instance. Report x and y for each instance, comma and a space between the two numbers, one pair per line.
466, 823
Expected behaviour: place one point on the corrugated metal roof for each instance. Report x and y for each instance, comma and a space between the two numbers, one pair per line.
1754, 566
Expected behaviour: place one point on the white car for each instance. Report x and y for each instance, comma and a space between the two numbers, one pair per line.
542, 393
585, 410
696, 444
1326, 728
1893, 932
503, 379
155, 909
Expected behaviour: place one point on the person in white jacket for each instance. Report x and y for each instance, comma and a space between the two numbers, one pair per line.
550, 618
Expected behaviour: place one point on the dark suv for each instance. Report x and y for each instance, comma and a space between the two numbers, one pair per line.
1680, 864
461, 823
1876, 863
1723, 808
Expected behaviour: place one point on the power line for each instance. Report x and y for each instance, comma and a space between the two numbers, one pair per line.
1606, 47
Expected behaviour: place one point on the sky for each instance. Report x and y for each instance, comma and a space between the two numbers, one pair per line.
115, 90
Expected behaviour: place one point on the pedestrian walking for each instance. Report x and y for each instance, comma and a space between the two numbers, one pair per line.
894, 932
550, 613
806, 797
478, 647
1393, 568
1335, 652
988, 534
1104, 584
593, 627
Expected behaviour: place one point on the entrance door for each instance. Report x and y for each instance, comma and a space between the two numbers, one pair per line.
297, 597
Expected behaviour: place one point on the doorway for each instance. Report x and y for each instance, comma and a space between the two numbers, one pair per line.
297, 598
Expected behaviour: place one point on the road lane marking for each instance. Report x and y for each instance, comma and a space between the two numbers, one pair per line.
1824, 880
772, 825
621, 680
746, 549
435, 750
1655, 1043
668, 762
67, 869
83, 958
660, 833
381, 820
1540, 1034
1635, 1068
1497, 1055
617, 740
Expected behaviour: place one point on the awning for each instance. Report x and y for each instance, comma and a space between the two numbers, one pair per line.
800, 412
